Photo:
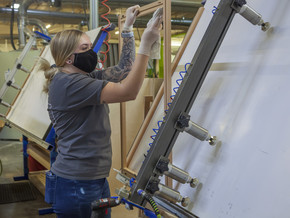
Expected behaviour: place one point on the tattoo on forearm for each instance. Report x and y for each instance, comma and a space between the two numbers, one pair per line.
120, 71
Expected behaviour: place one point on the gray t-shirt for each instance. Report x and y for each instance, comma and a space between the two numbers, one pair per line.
82, 126
81, 122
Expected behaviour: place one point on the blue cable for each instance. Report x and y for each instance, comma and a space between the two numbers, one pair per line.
175, 89
131, 182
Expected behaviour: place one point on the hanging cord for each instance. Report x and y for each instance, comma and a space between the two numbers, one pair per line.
175, 89
150, 200
109, 35
11, 26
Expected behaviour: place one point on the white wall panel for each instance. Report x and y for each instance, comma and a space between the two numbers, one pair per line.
244, 101
247, 175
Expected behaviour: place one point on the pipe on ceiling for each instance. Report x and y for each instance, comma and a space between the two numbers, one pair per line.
125, 3
39, 24
23, 21
113, 18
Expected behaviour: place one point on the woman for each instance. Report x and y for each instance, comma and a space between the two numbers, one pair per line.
77, 106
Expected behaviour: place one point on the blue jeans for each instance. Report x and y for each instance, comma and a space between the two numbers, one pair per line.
73, 198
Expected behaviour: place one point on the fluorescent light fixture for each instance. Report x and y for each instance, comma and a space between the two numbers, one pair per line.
16, 6
48, 26
117, 32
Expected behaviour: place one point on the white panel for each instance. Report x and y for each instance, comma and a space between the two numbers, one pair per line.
245, 103
30, 109
248, 174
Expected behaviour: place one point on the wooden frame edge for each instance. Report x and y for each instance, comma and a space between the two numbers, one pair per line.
147, 9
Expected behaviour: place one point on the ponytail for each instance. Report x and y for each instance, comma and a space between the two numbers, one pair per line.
62, 46
49, 72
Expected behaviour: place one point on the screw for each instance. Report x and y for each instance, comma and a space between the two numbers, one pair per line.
265, 26
194, 182
213, 140
185, 201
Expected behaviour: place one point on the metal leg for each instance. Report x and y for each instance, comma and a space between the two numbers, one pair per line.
25, 161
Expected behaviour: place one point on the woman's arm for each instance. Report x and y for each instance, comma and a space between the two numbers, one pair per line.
119, 72
130, 86
127, 89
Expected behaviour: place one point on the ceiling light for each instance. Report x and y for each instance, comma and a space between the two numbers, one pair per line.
16, 6
48, 26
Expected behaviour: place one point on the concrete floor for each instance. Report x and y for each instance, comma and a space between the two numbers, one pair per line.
12, 164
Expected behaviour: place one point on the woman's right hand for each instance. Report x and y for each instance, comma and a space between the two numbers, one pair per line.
131, 15
150, 35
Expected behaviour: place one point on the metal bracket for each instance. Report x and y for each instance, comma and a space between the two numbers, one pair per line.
250, 14
237, 4
182, 121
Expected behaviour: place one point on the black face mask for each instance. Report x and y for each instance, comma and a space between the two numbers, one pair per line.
86, 61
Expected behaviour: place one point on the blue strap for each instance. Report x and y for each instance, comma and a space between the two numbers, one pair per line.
51, 137
100, 41
51, 140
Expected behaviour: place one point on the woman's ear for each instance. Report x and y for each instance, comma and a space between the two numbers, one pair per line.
70, 59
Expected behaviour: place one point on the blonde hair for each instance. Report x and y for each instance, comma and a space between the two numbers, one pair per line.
62, 46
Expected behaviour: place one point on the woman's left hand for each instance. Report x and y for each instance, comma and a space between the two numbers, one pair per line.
131, 15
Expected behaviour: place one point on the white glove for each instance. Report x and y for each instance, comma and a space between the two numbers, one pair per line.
151, 34
155, 50
131, 15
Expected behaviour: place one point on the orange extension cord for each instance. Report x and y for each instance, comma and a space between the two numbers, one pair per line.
105, 30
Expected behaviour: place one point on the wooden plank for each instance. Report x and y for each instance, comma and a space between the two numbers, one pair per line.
129, 173
167, 64
39, 154
146, 9
123, 134
167, 51
38, 180
150, 8
168, 180
161, 90
2, 124
121, 26
122, 106
148, 100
